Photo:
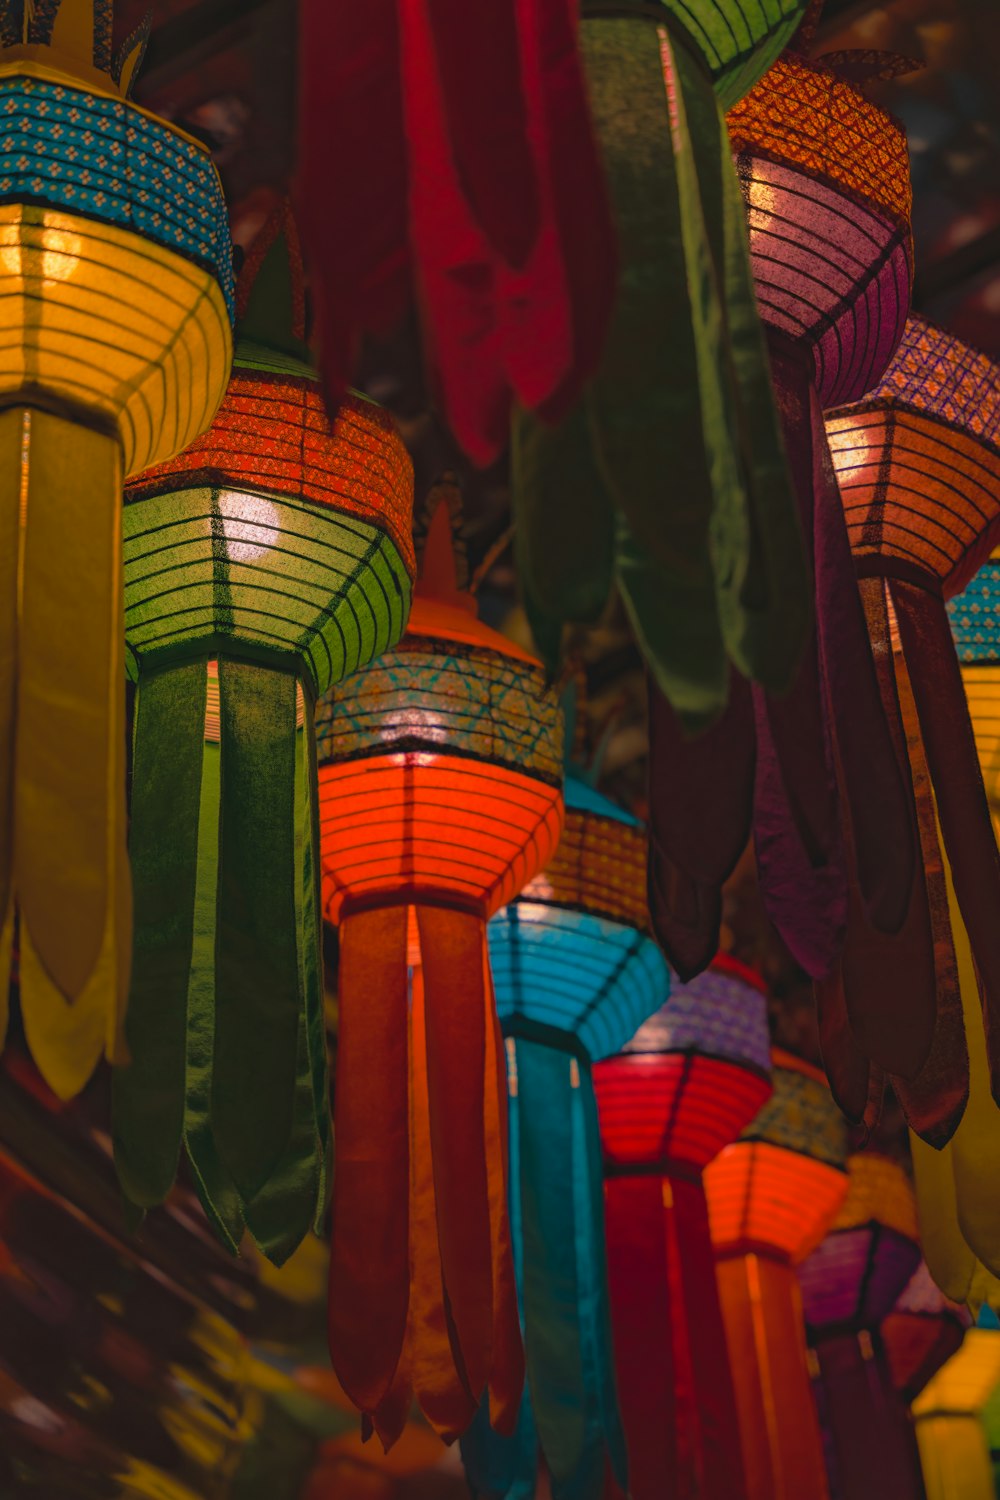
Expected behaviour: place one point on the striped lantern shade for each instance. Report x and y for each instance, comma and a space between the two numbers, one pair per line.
825, 181
686, 1084
772, 1196
957, 1417
710, 567
268, 561
918, 462
440, 773
575, 973
923, 1330
115, 326
849, 1285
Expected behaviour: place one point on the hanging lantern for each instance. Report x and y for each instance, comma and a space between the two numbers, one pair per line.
772, 1196
669, 477
825, 180
958, 1422
923, 1331
456, 141
689, 1080
115, 285
575, 972
955, 1185
269, 560
918, 463
850, 1284
440, 798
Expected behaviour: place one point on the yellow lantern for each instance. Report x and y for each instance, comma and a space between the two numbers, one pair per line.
115, 346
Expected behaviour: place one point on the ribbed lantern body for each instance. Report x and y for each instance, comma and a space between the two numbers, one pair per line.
921, 1333
850, 1284
825, 185
918, 464
957, 1417
268, 561
115, 325
575, 973
688, 1081
772, 1196
440, 797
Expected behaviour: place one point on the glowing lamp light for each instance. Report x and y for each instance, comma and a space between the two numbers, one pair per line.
682, 1089
440, 797
772, 1196
957, 1417
918, 462
850, 1284
575, 972
265, 563
115, 330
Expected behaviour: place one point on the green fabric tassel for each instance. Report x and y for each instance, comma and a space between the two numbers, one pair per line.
679, 422
166, 795
226, 1021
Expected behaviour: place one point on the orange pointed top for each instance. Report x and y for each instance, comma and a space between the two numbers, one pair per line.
443, 575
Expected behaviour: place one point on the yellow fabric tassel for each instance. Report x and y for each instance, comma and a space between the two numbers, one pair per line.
11, 425
70, 863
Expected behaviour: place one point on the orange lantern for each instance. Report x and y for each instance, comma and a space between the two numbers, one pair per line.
440, 797
918, 462
771, 1198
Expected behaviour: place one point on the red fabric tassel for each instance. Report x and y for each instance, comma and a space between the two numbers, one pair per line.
351, 186
962, 806
875, 1454
700, 806
639, 1287
478, 55
369, 1249
507, 1376
451, 947
846, 1066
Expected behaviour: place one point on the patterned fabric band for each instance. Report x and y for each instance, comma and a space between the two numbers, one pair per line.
445, 697
801, 1116
105, 159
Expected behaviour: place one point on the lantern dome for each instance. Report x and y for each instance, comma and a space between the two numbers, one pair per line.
923, 1330
825, 176
853, 1279
777, 1189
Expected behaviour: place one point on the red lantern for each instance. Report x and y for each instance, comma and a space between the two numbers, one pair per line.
923, 1331
440, 797
771, 1197
683, 1088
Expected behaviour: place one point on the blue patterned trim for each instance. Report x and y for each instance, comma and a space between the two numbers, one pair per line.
102, 158
975, 617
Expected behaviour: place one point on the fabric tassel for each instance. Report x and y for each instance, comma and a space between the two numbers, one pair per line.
11, 481
369, 1261
707, 1418
805, 898
641, 1314
701, 802
455, 1022
70, 871
257, 1002
150, 1094
846, 1066
349, 75
934, 1100
507, 1379
867, 1421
